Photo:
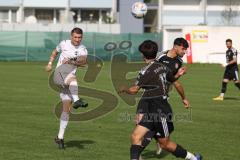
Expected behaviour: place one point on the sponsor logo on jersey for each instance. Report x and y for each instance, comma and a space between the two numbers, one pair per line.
165, 61
176, 65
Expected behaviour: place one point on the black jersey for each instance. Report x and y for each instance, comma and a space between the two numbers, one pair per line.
230, 55
153, 79
172, 63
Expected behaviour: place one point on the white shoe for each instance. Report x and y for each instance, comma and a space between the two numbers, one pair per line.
159, 149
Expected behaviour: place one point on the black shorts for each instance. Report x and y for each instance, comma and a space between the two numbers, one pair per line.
143, 104
158, 118
231, 74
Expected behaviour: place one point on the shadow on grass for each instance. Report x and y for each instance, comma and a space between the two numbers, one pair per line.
78, 144
232, 98
152, 154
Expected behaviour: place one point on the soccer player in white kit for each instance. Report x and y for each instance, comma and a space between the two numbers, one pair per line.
73, 55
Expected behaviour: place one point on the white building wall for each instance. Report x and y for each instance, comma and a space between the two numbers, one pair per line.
191, 12
102, 28
45, 3
10, 3
91, 3
208, 43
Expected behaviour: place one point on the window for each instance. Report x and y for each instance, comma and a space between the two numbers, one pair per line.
150, 21
44, 15
14, 16
76, 15
151, 2
106, 16
151, 17
3, 15
90, 15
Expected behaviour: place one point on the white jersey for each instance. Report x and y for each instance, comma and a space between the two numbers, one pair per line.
69, 51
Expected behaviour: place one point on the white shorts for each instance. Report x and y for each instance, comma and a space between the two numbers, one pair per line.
65, 97
65, 93
61, 76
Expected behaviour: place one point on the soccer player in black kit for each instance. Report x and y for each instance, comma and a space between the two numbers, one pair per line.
157, 117
231, 70
173, 60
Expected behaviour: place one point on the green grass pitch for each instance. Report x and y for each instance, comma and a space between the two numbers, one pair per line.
28, 124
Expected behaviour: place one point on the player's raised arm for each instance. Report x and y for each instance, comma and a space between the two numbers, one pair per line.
181, 92
80, 61
132, 90
53, 56
172, 78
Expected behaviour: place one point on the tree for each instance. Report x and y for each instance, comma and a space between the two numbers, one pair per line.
230, 12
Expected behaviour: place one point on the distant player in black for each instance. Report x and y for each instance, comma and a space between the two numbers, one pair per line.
231, 70
173, 60
157, 116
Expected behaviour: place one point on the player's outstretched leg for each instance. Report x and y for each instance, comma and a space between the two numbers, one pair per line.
71, 80
198, 156
77, 102
80, 103
148, 138
136, 137
159, 149
177, 150
237, 84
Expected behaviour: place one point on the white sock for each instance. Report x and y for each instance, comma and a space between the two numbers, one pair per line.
73, 87
63, 124
222, 94
190, 156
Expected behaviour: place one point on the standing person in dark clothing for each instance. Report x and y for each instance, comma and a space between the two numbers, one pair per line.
157, 116
173, 60
231, 70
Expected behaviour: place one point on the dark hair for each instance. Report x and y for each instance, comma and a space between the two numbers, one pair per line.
77, 30
149, 49
229, 40
181, 42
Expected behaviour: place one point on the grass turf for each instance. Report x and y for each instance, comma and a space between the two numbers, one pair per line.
28, 124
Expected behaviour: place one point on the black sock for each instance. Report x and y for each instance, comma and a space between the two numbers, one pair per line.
180, 152
135, 152
224, 87
147, 138
237, 85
